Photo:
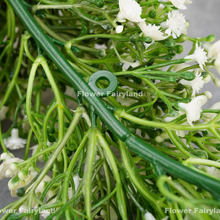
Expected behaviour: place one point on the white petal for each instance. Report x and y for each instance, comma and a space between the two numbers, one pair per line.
152, 31
149, 216
130, 10
193, 108
119, 29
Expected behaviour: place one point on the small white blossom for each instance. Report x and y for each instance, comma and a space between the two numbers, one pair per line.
129, 10
196, 84
14, 142
208, 94
149, 216
214, 50
76, 180
175, 24
3, 112
40, 188
199, 56
6, 156
5, 170
119, 29
193, 108
177, 3
152, 31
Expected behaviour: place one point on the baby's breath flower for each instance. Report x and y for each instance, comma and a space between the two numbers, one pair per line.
6, 156
193, 108
40, 188
119, 29
14, 142
196, 84
199, 56
175, 24
177, 3
152, 31
149, 216
208, 94
5, 170
3, 112
214, 50
76, 180
129, 10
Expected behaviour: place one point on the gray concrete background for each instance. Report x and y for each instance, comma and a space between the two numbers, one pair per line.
204, 17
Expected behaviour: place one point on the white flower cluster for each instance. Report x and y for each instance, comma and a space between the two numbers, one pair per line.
175, 25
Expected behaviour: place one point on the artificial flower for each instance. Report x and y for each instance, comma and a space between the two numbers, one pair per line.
6, 169
175, 24
14, 142
149, 216
177, 3
129, 10
199, 56
40, 188
76, 180
3, 112
14, 184
119, 29
208, 94
6, 156
193, 108
214, 50
196, 84
152, 31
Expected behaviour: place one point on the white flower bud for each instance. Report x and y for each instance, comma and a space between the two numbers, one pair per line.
207, 78
6, 156
159, 139
119, 29
208, 94
14, 167
103, 213
217, 82
8, 173
13, 184
23, 175
149, 216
